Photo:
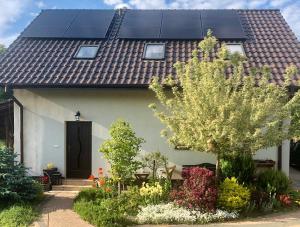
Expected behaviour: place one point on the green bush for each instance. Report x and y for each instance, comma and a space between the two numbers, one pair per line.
93, 194
233, 196
15, 184
107, 212
130, 201
273, 182
99, 209
241, 167
17, 215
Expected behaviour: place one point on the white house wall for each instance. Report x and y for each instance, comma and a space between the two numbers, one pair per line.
47, 110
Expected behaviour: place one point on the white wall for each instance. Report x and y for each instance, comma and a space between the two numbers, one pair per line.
47, 110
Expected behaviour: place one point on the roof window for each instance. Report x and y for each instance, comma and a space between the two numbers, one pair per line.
235, 48
87, 52
154, 51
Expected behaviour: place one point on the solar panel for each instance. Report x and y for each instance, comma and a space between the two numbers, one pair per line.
225, 24
50, 24
141, 24
90, 24
181, 24
70, 24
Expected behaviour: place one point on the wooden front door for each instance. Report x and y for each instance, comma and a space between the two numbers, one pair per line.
79, 149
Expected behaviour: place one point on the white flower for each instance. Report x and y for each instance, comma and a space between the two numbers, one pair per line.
170, 213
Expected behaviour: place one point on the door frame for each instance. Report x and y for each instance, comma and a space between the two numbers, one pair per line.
66, 146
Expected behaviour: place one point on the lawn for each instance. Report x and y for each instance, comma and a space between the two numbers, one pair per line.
18, 214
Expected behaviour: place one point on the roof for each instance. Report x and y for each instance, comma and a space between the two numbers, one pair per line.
40, 62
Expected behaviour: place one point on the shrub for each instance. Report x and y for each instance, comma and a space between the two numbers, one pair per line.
130, 201
295, 196
93, 194
273, 182
233, 196
106, 212
102, 209
17, 215
241, 167
172, 214
198, 190
15, 185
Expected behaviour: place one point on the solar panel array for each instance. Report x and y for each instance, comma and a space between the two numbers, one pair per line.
137, 24
181, 24
70, 24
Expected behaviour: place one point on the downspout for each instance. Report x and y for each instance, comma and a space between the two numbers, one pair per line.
21, 128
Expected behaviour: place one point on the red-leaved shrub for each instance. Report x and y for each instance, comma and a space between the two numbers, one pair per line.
198, 190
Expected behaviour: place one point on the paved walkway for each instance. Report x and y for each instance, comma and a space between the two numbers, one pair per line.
57, 211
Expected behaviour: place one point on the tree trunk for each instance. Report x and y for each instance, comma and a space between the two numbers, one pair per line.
218, 169
119, 187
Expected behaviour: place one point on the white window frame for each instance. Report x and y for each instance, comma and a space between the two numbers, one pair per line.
86, 58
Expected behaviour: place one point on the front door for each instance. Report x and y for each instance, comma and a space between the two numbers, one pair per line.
79, 147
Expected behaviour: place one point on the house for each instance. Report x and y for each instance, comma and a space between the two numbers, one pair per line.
74, 72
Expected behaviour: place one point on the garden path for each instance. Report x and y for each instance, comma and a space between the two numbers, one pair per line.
57, 211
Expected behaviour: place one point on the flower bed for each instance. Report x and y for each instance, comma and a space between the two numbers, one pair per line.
171, 213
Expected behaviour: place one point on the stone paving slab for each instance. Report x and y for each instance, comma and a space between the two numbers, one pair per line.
57, 211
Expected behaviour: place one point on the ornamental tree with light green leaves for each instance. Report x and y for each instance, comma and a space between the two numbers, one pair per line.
2, 49
207, 110
121, 151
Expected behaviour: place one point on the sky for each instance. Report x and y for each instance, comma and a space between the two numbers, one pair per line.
15, 15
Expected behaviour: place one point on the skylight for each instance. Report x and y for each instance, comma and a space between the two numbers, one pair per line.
154, 51
235, 48
87, 52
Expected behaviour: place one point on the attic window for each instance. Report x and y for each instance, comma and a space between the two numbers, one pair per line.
154, 51
235, 48
87, 52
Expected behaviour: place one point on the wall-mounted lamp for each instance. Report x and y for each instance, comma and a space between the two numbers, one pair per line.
77, 116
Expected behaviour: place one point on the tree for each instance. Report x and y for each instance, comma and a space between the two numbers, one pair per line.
121, 151
206, 109
154, 161
3, 96
2, 49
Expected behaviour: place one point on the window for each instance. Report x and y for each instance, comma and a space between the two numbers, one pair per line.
235, 48
87, 52
154, 51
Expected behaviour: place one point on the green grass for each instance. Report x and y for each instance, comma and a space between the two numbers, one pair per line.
17, 215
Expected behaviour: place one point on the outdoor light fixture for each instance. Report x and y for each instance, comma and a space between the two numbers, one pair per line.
77, 116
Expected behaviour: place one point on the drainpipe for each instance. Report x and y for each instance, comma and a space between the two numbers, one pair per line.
21, 128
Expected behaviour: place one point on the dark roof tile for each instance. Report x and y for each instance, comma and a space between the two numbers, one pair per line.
50, 62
